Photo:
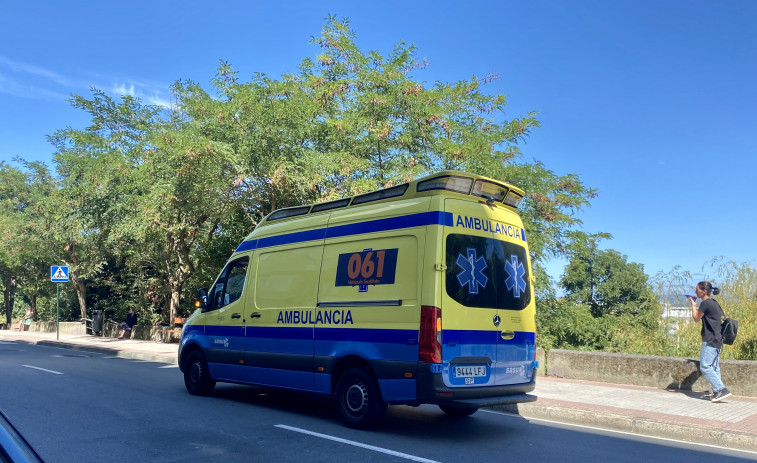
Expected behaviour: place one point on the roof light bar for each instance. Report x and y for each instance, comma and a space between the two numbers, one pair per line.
288, 212
392, 192
330, 205
489, 190
513, 199
449, 182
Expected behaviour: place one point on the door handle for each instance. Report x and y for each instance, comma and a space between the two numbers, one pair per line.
236, 315
255, 315
507, 335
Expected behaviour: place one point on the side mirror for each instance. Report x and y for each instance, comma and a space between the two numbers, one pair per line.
202, 299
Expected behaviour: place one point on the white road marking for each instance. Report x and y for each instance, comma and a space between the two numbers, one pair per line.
169, 366
43, 369
6, 342
357, 444
615, 431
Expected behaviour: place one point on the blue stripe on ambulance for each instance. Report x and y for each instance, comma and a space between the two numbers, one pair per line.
370, 344
369, 226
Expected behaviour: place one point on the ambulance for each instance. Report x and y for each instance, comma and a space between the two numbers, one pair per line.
421, 293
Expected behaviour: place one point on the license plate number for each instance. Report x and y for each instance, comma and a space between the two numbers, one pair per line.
470, 371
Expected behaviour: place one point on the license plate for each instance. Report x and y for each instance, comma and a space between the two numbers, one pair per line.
470, 371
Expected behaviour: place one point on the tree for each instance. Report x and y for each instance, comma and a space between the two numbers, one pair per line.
24, 262
89, 211
608, 304
13, 195
188, 188
607, 283
351, 121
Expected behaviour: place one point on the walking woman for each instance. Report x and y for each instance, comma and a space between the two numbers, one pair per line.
710, 314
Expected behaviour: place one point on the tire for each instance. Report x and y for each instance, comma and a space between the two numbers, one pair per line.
196, 374
456, 412
358, 400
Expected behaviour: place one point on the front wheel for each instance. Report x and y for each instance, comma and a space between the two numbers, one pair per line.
358, 400
456, 412
196, 374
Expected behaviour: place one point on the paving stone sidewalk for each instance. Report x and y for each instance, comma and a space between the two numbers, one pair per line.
637, 409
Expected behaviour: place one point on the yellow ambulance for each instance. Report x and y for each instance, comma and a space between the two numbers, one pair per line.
418, 293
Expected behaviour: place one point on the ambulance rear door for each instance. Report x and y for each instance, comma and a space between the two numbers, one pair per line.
486, 285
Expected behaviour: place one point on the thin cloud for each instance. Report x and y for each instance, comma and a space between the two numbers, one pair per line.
13, 87
150, 95
23, 68
30, 81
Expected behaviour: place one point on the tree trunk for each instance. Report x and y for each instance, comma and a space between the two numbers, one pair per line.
33, 298
178, 271
9, 293
81, 294
175, 300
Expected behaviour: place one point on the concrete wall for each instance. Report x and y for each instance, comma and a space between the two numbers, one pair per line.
144, 333
541, 357
739, 376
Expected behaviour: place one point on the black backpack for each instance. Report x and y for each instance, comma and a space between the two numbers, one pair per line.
728, 329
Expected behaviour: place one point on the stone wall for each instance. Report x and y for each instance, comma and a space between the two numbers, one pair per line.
739, 376
140, 332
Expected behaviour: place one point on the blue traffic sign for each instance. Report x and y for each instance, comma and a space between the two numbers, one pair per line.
59, 274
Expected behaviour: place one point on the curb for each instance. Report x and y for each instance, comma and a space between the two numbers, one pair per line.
641, 426
114, 352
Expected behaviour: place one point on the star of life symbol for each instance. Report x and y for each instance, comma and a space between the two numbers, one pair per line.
515, 276
473, 271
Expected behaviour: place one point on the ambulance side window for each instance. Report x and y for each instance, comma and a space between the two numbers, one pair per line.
230, 284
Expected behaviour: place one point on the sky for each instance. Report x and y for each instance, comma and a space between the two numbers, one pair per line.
651, 102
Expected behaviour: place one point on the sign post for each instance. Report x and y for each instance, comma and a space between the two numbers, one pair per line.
58, 275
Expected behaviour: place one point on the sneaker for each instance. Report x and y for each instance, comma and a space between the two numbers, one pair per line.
720, 395
707, 395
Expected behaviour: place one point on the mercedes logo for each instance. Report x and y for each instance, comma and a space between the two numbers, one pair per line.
496, 320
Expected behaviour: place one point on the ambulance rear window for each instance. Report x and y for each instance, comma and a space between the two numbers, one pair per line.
487, 273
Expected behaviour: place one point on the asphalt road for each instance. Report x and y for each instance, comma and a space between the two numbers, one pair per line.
80, 407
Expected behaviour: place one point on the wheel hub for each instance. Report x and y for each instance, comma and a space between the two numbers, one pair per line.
196, 372
356, 398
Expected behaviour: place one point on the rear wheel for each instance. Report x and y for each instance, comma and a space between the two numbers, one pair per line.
196, 374
456, 412
358, 400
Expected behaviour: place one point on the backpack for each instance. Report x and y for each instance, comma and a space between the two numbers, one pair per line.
729, 328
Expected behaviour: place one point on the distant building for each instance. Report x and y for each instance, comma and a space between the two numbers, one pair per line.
672, 314
676, 311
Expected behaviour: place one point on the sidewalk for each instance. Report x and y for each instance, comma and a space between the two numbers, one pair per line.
126, 348
636, 409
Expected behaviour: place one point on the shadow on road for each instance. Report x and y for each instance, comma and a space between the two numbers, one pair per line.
427, 422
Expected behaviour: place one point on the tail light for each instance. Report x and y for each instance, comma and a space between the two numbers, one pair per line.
430, 335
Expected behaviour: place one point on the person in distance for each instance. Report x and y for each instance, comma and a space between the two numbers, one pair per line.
131, 320
28, 317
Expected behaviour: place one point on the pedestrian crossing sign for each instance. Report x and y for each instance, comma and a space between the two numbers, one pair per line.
59, 274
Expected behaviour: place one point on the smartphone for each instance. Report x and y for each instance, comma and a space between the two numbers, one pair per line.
689, 296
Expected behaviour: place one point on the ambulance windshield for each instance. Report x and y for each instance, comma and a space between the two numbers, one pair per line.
487, 273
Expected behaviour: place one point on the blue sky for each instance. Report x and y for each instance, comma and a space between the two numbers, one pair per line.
651, 102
